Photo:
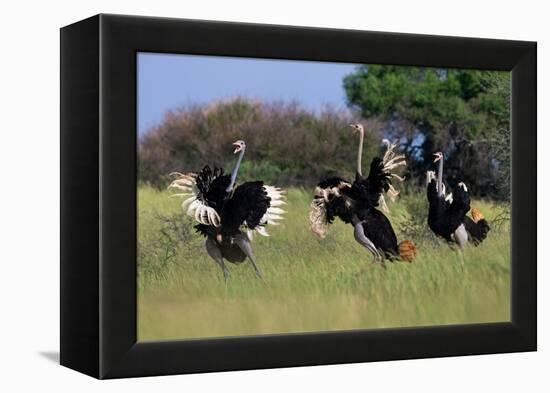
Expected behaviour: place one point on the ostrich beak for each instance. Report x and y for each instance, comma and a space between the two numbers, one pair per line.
354, 128
238, 148
438, 156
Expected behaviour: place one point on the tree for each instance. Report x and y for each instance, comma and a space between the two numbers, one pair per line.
459, 112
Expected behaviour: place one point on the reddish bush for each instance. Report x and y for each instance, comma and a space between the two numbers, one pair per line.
286, 144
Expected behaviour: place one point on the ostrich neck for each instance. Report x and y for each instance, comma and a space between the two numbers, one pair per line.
235, 171
360, 154
440, 177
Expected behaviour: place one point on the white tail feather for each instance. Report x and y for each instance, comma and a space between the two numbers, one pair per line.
382, 203
391, 161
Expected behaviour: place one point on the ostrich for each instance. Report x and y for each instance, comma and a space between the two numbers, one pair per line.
228, 216
356, 204
447, 212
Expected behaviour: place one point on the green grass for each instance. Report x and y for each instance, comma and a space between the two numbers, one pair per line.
312, 284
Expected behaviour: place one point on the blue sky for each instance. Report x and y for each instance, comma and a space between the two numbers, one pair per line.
168, 81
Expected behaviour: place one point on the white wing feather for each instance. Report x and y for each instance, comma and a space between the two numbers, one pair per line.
273, 213
318, 213
193, 206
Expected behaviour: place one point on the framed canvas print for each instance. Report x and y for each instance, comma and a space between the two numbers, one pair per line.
239, 196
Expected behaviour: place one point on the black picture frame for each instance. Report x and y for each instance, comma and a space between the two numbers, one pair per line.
98, 196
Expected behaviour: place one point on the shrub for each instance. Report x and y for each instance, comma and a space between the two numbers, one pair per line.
286, 144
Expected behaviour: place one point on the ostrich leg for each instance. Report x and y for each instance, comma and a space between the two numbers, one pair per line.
359, 234
216, 254
461, 238
244, 244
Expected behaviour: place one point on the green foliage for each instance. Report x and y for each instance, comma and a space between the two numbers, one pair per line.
261, 170
163, 234
315, 284
459, 112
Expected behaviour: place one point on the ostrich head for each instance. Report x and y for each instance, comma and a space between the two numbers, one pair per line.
239, 145
438, 156
356, 127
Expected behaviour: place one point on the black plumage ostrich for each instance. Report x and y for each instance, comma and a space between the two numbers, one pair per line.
447, 215
356, 204
229, 216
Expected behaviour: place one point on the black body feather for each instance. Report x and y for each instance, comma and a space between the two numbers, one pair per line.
212, 185
369, 190
246, 205
477, 231
230, 250
337, 206
360, 199
444, 217
378, 229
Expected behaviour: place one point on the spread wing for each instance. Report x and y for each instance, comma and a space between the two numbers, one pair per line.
204, 194
379, 181
251, 208
331, 200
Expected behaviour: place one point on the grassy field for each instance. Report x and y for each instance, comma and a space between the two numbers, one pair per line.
313, 284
